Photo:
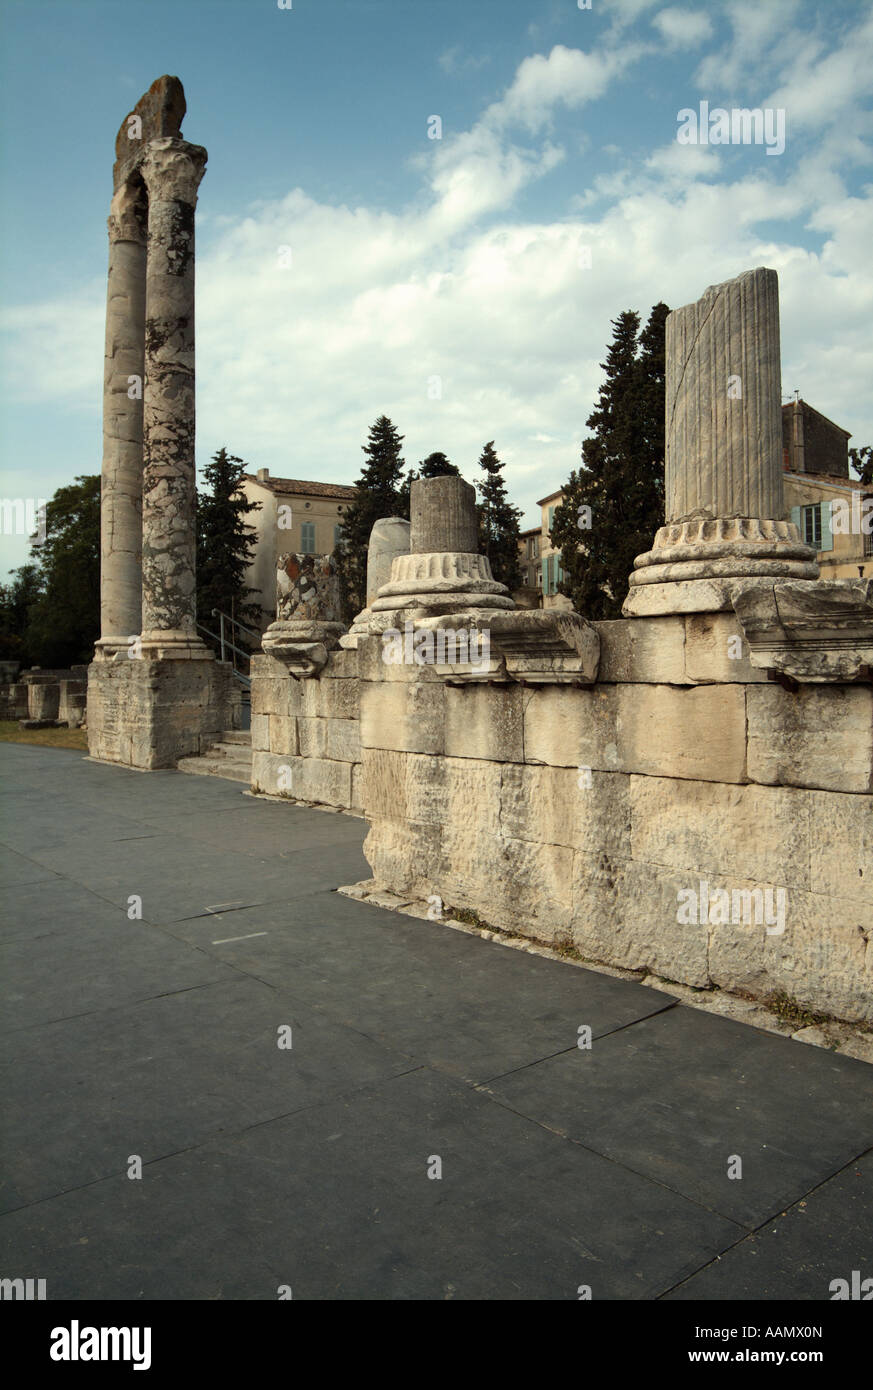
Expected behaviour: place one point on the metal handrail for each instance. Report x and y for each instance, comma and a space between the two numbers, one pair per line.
235, 622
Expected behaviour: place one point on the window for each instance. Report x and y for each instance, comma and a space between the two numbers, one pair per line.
551, 517
307, 538
337, 536
539, 578
811, 525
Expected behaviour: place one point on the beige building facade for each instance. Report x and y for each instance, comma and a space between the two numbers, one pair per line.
296, 516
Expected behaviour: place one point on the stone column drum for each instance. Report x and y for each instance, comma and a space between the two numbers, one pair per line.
121, 482
723, 467
172, 170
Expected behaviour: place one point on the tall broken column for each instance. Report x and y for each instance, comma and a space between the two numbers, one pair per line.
171, 170
146, 707
723, 484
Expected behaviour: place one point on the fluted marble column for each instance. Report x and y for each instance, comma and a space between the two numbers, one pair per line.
171, 169
723, 469
123, 373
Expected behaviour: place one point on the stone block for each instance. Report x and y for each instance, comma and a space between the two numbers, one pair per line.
320, 780
716, 651
282, 734
343, 739
751, 832
341, 665
565, 806
823, 959
312, 737
372, 667
383, 784
516, 885
261, 732
404, 856
406, 717
637, 649
696, 732
841, 839
626, 915
329, 698
485, 722
817, 736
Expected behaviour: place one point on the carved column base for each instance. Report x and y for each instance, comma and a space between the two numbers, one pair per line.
173, 645
302, 644
692, 563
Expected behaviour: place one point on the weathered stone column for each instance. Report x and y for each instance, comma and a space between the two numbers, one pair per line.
172, 170
723, 467
123, 372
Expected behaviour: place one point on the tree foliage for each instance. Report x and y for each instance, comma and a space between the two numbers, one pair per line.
614, 503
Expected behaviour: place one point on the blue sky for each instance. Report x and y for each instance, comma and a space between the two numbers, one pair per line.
412, 259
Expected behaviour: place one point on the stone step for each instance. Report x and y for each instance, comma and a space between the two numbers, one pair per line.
208, 765
240, 736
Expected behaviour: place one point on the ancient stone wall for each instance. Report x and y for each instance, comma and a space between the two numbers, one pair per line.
577, 816
305, 733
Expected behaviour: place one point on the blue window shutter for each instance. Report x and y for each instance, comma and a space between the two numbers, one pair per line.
827, 539
795, 517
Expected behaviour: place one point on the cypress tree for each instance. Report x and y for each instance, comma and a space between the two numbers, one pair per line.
498, 521
614, 504
381, 491
225, 543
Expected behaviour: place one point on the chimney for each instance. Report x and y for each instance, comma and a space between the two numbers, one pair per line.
263, 475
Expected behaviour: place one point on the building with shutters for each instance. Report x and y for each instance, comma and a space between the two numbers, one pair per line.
295, 516
832, 511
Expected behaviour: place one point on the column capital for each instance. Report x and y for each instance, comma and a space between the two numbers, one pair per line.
171, 169
128, 215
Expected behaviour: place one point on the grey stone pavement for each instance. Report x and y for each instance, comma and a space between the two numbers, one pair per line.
308, 1166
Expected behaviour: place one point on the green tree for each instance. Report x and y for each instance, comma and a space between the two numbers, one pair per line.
381, 491
436, 466
64, 619
17, 601
498, 521
614, 504
225, 543
861, 460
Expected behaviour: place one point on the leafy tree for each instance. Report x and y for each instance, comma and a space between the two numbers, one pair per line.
862, 461
381, 491
17, 601
64, 618
614, 504
225, 543
437, 466
498, 521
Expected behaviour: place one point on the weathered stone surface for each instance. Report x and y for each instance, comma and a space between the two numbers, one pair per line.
43, 699
443, 516
161, 111
841, 835
307, 586
820, 631
750, 832
679, 596
149, 714
312, 737
404, 857
823, 959
565, 806
485, 722
172, 170
343, 739
651, 651
389, 538
303, 779
514, 883
329, 699
406, 717
666, 731
715, 650
283, 734
625, 914
260, 732
811, 737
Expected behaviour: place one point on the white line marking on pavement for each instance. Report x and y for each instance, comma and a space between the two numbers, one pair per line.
226, 939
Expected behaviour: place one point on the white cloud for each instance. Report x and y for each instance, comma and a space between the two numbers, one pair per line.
683, 28
294, 364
